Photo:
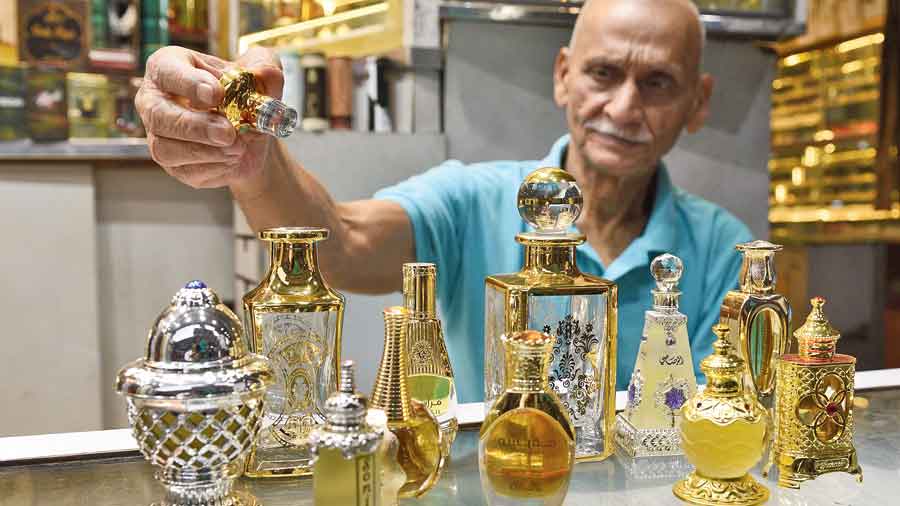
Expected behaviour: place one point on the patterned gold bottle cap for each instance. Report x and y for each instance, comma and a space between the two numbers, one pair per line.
293, 234
723, 368
817, 339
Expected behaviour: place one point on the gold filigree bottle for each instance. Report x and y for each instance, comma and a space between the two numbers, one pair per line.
430, 376
346, 469
294, 318
551, 294
663, 377
723, 433
759, 318
526, 448
815, 406
417, 430
248, 109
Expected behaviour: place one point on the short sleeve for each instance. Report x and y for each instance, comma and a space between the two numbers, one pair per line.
438, 205
723, 267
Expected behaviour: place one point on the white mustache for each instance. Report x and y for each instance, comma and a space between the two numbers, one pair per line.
604, 126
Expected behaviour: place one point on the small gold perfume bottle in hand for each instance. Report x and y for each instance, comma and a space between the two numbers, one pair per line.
417, 430
526, 448
248, 109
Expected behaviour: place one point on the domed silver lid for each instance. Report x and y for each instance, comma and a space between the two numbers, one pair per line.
195, 352
345, 425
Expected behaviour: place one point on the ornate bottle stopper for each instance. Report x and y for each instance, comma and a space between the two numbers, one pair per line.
663, 375
552, 295
723, 433
346, 470
814, 406
248, 109
195, 401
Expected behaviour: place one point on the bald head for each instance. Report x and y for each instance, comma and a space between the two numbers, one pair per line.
679, 17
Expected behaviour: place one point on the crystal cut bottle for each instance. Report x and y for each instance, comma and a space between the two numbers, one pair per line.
293, 318
248, 109
551, 294
430, 376
417, 430
663, 377
346, 469
814, 406
526, 447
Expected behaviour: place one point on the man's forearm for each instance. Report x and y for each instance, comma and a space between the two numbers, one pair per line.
369, 239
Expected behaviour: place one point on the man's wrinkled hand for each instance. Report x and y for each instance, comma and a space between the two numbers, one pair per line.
193, 144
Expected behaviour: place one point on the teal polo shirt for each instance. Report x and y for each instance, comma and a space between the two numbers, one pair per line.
464, 220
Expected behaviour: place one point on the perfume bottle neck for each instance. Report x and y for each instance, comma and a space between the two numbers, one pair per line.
551, 259
666, 302
526, 370
724, 386
419, 295
294, 263
758, 272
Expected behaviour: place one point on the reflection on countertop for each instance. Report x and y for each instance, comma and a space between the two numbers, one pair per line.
614, 482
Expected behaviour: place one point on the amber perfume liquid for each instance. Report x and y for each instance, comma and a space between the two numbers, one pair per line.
295, 320
526, 448
350, 482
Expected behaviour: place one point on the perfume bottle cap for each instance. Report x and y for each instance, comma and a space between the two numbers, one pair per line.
666, 270
550, 200
757, 273
724, 369
346, 407
528, 339
527, 359
817, 339
419, 287
293, 234
345, 426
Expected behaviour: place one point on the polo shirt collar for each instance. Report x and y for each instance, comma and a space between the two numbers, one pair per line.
660, 235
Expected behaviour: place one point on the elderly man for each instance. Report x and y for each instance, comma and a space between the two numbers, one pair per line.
629, 82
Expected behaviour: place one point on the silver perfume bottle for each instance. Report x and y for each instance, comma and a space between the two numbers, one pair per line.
195, 401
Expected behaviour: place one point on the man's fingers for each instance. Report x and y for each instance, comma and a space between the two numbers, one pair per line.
266, 66
203, 175
173, 152
166, 118
173, 70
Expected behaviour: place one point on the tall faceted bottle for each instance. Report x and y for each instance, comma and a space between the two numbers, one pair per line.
417, 430
551, 294
294, 318
663, 376
430, 376
526, 448
759, 318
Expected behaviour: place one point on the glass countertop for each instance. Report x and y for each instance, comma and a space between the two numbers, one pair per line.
616, 481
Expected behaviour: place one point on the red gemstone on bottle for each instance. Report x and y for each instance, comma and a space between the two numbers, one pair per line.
831, 409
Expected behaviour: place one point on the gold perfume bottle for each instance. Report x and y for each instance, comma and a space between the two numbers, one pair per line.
552, 295
814, 406
430, 377
248, 109
663, 377
526, 447
417, 430
759, 318
346, 469
723, 433
294, 318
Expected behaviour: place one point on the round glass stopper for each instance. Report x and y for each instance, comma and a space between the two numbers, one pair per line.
666, 270
549, 200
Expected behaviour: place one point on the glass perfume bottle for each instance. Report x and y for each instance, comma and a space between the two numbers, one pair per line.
759, 318
552, 295
526, 447
248, 109
430, 376
814, 406
663, 377
392, 475
417, 430
723, 433
294, 318
346, 469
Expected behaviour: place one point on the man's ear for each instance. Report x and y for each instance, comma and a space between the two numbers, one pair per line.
560, 72
700, 110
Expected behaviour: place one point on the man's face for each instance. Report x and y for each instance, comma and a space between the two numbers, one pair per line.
630, 84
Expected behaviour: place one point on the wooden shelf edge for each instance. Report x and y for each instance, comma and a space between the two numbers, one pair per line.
804, 43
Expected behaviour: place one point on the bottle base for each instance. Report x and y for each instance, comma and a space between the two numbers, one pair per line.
743, 491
